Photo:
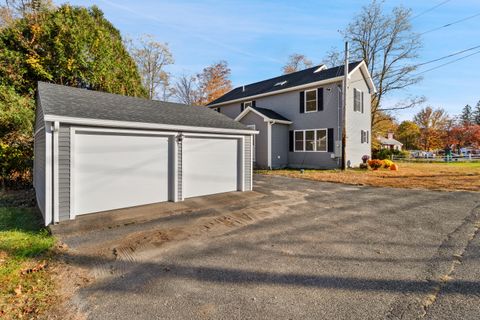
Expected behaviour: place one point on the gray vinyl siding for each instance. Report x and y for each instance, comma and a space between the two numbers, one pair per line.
39, 164
248, 163
261, 148
39, 158
64, 172
357, 121
288, 105
280, 141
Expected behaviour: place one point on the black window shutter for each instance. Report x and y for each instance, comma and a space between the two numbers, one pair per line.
320, 99
302, 102
254, 103
290, 141
242, 107
330, 140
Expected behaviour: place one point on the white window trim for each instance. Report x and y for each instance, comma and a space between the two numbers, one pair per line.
305, 141
245, 104
305, 102
361, 100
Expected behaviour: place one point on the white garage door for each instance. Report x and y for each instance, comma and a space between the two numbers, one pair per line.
209, 166
114, 171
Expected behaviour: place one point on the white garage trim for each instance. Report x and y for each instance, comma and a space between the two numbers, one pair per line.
142, 125
48, 174
56, 215
73, 133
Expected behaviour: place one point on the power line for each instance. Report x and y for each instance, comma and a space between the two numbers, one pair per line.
451, 24
447, 63
431, 9
401, 70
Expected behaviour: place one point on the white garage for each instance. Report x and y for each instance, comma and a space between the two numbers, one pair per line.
96, 152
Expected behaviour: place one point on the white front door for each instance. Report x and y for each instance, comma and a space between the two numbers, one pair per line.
209, 166
118, 170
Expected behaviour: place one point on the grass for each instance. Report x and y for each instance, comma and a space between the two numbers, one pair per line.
434, 176
26, 287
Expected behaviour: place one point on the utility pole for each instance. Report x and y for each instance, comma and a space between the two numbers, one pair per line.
344, 113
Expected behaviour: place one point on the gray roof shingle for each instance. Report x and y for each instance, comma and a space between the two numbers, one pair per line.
270, 114
291, 80
58, 100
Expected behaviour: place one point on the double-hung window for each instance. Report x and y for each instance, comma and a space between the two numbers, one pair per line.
364, 136
311, 100
311, 140
357, 100
299, 142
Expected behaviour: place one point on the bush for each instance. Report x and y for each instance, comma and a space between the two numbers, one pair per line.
375, 164
16, 162
387, 163
387, 154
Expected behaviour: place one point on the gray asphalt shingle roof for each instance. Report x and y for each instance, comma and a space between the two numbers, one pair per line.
270, 114
58, 100
290, 80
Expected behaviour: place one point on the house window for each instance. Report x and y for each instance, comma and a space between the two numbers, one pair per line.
321, 140
364, 136
311, 140
311, 100
299, 135
357, 100
247, 104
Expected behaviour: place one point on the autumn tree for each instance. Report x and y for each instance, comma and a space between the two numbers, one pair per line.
296, 62
432, 124
387, 43
408, 133
213, 82
386, 125
152, 57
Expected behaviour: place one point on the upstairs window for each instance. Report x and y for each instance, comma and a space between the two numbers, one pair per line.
357, 100
311, 100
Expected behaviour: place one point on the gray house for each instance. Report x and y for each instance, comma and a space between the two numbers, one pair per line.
96, 151
300, 117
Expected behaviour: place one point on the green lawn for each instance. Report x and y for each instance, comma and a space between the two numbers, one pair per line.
26, 287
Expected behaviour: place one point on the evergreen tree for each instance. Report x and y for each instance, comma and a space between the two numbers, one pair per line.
467, 115
476, 114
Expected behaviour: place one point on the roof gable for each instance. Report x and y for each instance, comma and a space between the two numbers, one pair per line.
266, 114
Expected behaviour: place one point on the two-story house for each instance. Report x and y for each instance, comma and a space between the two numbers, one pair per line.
300, 117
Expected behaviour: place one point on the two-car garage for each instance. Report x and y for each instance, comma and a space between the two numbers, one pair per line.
105, 152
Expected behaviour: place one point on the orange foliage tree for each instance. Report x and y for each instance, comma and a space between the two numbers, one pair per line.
214, 82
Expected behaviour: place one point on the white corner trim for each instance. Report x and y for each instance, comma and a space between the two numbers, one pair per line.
55, 149
296, 88
140, 125
242, 163
72, 176
174, 155
251, 162
265, 118
269, 145
48, 175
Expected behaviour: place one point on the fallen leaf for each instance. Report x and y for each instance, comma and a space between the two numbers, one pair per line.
18, 290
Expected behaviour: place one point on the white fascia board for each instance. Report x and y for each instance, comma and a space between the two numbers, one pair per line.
369, 79
303, 86
141, 125
265, 118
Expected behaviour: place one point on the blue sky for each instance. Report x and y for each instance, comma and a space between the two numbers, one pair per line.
256, 37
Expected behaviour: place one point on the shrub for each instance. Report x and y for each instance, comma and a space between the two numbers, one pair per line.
387, 154
375, 164
16, 162
363, 166
387, 163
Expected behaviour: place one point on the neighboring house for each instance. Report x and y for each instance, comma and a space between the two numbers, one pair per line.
299, 117
390, 142
97, 151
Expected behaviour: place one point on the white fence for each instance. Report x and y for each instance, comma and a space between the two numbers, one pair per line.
438, 158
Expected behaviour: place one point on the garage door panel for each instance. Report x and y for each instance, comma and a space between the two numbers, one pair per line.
114, 171
209, 166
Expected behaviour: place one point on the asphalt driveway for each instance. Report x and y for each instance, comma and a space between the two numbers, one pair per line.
292, 249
